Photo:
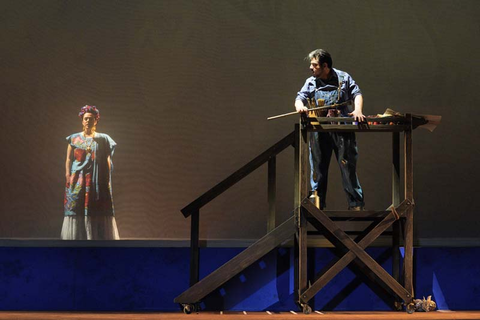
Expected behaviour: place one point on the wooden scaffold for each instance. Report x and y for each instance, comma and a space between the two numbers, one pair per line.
399, 217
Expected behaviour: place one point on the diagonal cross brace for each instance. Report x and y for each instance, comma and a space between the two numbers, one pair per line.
356, 250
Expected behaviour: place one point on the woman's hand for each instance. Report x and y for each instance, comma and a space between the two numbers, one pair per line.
67, 178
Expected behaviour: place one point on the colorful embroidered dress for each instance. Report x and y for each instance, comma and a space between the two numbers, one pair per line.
88, 204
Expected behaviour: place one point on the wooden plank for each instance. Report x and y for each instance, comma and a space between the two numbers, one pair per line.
194, 247
355, 215
355, 128
408, 167
272, 192
356, 250
238, 175
368, 119
239, 263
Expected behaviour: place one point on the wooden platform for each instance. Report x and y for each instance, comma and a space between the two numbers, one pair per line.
240, 315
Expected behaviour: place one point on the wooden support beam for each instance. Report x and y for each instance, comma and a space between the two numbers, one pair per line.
408, 167
301, 239
301, 192
395, 202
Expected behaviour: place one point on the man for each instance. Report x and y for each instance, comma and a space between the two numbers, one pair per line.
332, 86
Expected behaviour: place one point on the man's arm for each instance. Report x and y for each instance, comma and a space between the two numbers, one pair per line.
302, 97
357, 113
355, 92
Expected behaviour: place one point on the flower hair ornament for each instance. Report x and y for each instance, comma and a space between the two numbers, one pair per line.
90, 109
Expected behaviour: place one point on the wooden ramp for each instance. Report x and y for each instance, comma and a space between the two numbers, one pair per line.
236, 265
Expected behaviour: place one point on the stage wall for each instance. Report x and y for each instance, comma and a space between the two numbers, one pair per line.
148, 279
185, 87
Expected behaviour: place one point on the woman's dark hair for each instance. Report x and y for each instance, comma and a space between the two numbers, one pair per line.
89, 109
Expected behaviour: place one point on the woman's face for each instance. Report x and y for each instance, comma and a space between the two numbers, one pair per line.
89, 121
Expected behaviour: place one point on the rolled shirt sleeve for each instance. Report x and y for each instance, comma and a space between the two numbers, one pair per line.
352, 87
306, 91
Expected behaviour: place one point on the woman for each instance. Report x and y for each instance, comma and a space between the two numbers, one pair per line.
88, 200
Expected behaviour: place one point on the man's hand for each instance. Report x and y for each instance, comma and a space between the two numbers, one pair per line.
300, 107
357, 115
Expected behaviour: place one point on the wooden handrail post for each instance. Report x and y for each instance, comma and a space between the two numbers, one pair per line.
194, 247
300, 145
272, 192
301, 178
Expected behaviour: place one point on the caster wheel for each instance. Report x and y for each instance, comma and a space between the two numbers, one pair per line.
306, 309
187, 308
410, 308
398, 306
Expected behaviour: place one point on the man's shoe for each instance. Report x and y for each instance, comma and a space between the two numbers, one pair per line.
315, 199
356, 208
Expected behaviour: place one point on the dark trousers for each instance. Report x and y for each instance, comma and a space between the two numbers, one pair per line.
345, 147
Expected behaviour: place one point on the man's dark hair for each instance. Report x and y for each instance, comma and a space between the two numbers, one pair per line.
322, 56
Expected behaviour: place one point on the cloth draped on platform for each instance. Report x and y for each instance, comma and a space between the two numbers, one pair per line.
88, 203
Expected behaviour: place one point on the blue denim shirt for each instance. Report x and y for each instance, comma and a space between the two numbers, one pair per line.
349, 88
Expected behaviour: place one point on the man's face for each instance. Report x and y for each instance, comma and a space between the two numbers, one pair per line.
319, 71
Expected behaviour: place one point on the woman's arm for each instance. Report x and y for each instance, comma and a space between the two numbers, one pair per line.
68, 164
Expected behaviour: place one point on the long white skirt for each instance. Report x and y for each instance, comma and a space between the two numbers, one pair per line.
89, 228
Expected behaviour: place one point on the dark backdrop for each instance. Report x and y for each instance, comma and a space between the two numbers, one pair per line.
185, 87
